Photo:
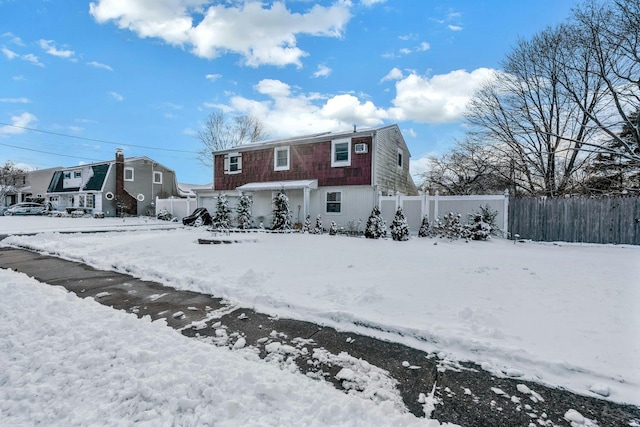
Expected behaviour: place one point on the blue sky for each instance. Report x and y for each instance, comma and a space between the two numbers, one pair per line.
79, 79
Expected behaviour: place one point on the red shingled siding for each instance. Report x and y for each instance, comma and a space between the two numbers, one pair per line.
308, 161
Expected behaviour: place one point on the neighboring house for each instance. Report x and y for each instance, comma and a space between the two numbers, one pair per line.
122, 186
29, 186
339, 176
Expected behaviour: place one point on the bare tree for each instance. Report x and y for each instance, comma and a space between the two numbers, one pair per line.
609, 33
468, 168
221, 132
529, 121
11, 178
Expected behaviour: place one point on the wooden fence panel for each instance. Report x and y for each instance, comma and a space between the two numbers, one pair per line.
607, 220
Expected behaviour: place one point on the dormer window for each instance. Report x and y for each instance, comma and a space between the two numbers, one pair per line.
341, 152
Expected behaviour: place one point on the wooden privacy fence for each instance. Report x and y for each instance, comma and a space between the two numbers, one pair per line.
606, 220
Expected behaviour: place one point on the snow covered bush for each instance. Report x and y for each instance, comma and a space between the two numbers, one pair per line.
399, 227
425, 227
376, 225
244, 212
482, 223
222, 217
306, 226
450, 227
333, 228
318, 227
281, 212
164, 215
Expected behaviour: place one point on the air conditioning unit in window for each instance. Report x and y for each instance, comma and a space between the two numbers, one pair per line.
361, 148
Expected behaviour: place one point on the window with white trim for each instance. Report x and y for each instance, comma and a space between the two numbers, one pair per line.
341, 152
281, 158
400, 157
334, 202
77, 174
128, 174
157, 177
232, 163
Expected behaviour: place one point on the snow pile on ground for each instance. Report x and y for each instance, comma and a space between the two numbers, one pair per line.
67, 361
565, 315
29, 224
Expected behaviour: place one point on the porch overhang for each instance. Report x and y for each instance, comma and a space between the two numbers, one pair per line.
305, 185
310, 184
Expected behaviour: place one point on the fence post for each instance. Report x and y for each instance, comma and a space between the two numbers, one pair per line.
505, 220
435, 205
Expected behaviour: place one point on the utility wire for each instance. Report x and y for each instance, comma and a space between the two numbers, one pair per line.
96, 140
48, 152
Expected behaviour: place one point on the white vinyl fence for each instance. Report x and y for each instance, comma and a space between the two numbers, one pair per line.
416, 207
178, 208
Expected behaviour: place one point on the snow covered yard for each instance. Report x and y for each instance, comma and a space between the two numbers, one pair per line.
564, 315
67, 361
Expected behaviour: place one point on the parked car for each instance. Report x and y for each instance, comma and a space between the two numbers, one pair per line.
199, 217
26, 208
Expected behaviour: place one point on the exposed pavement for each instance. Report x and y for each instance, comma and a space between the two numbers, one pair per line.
468, 395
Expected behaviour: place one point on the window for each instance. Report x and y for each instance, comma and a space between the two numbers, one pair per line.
157, 177
128, 174
233, 163
400, 155
281, 158
66, 175
334, 202
77, 174
341, 152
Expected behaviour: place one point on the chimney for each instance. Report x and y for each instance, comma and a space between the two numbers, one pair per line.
119, 173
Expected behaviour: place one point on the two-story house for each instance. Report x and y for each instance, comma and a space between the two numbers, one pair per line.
336, 175
121, 186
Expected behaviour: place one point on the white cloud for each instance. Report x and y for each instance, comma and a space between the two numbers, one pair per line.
437, 99
18, 123
349, 109
99, 65
213, 77
9, 53
370, 3
116, 96
322, 71
424, 46
18, 78
30, 57
394, 74
48, 47
419, 166
454, 27
21, 100
261, 34
13, 38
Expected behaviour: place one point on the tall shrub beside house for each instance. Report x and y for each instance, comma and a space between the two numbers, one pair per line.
222, 217
281, 212
376, 225
399, 227
244, 212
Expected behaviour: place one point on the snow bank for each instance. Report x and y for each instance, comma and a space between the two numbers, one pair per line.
67, 361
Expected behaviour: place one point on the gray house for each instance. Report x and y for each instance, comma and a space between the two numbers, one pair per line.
119, 187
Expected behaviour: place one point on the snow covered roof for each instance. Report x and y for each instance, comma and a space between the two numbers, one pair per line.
279, 185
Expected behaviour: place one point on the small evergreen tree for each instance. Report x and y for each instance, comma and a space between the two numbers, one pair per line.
376, 225
425, 227
306, 227
333, 228
281, 212
244, 212
318, 228
222, 217
399, 227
